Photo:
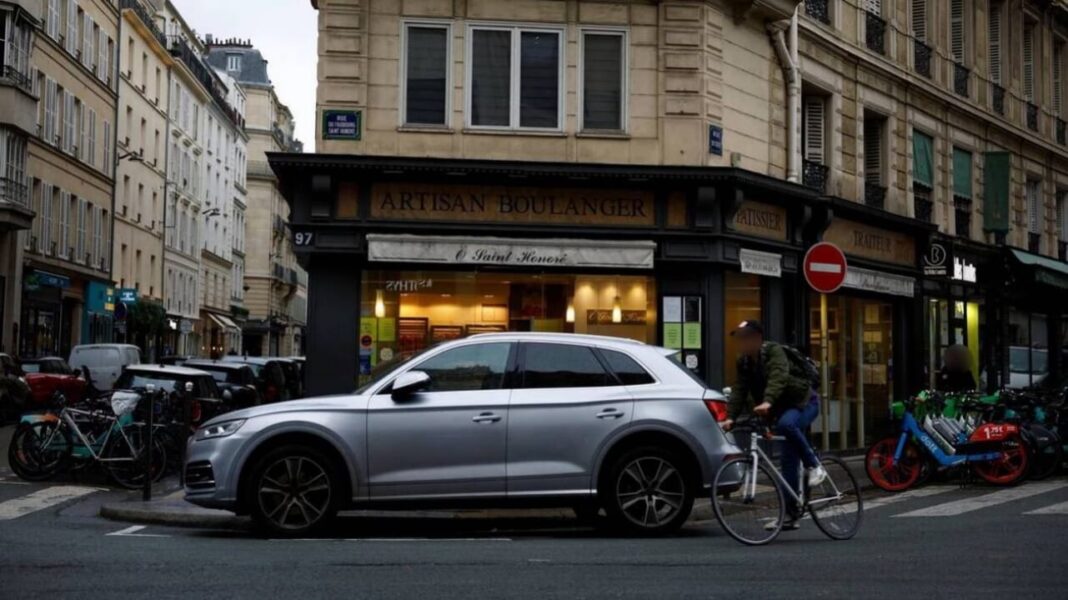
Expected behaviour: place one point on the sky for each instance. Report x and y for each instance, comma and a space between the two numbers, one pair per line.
284, 31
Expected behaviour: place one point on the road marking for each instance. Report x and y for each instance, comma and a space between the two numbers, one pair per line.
965, 505
132, 531
41, 499
13, 482
825, 267
392, 540
923, 492
1053, 509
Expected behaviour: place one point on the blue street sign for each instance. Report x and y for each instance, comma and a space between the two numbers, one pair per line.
127, 295
715, 140
342, 124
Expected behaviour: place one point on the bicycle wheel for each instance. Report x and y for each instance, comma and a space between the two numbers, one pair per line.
891, 475
39, 450
748, 502
835, 504
1047, 454
125, 457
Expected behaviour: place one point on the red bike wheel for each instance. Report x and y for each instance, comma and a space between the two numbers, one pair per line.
1010, 468
891, 475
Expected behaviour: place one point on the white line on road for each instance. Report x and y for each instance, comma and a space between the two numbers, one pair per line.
13, 481
959, 507
923, 492
391, 540
41, 499
1053, 509
132, 531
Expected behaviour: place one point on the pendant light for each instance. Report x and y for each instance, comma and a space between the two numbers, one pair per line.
617, 311
380, 304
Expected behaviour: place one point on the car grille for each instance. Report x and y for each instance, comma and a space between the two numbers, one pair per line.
199, 475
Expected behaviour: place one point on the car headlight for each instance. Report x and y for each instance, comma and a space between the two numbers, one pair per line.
219, 430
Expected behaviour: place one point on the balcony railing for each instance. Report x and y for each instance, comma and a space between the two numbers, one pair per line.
181, 50
814, 175
146, 18
1062, 250
17, 78
819, 10
1034, 242
291, 276
14, 192
922, 58
998, 98
874, 194
924, 209
962, 214
875, 33
1032, 116
278, 271
1062, 134
961, 75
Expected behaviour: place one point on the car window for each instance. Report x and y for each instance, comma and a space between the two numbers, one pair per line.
626, 368
130, 380
471, 367
206, 388
133, 356
561, 365
97, 357
31, 367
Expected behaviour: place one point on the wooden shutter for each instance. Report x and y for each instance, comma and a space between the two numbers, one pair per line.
814, 129
87, 41
79, 246
53, 19
71, 40
1029, 62
956, 30
994, 38
1058, 66
1034, 207
919, 19
873, 151
63, 240
47, 193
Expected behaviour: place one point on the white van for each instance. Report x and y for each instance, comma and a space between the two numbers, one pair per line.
104, 362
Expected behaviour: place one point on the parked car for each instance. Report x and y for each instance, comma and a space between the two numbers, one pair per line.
236, 381
271, 381
46, 376
174, 361
1027, 366
101, 364
495, 419
207, 399
14, 391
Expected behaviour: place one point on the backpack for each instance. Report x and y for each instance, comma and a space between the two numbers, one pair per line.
802, 366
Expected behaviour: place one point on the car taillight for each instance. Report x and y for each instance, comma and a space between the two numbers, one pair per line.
195, 413
717, 406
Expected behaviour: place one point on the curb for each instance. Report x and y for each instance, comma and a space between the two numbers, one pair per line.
130, 512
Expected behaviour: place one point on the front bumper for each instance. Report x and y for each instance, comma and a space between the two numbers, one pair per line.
211, 472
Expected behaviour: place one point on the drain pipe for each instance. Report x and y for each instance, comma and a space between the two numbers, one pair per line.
791, 70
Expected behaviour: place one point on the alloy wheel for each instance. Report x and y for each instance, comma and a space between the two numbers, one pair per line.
650, 491
294, 493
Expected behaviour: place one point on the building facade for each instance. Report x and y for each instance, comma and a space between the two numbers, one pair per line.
274, 283
681, 156
66, 282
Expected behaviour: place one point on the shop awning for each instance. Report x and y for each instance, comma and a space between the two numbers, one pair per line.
1044, 270
222, 321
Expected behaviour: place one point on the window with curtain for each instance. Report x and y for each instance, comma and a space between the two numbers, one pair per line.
603, 72
426, 74
515, 78
962, 173
922, 159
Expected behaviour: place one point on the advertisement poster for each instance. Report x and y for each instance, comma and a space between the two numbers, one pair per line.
673, 336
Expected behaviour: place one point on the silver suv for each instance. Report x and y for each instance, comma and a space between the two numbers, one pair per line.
497, 419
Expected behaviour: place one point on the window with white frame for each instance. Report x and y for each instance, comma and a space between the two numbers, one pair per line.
515, 77
52, 24
994, 11
90, 147
51, 110
1028, 54
97, 249
88, 35
958, 31
233, 62
68, 122
79, 116
13, 153
82, 231
813, 130
604, 76
63, 239
425, 82
47, 221
71, 38
108, 157
15, 36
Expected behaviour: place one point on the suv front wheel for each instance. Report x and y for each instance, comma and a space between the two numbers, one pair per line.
647, 491
294, 490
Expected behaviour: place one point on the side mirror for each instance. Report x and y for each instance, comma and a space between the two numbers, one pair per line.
226, 395
409, 383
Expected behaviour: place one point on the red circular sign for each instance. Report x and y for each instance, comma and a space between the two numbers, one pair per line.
825, 267
366, 341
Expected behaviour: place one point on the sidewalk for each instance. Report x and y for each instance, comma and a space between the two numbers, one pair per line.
170, 508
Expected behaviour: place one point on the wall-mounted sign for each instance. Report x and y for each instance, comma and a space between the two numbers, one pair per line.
604, 317
342, 124
562, 206
965, 271
409, 285
858, 239
715, 140
936, 261
38, 279
767, 264
542, 253
761, 220
127, 295
879, 282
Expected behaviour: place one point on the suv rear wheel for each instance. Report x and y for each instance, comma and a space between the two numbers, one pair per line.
647, 491
294, 490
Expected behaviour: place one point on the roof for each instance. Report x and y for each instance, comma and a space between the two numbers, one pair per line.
115, 346
41, 359
168, 369
556, 337
253, 65
255, 360
215, 364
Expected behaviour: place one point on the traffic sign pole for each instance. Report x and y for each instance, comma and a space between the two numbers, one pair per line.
825, 268
825, 358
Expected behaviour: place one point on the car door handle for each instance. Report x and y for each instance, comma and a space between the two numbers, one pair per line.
610, 413
486, 417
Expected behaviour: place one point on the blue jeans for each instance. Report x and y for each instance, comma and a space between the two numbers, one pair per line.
796, 449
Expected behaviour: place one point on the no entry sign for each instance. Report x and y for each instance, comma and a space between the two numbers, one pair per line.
825, 267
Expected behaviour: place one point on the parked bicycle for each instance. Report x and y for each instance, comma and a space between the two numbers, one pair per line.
749, 493
95, 431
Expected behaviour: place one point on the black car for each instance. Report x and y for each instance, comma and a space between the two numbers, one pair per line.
237, 380
271, 380
207, 399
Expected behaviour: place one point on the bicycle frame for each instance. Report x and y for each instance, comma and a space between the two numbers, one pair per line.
85, 447
756, 453
910, 428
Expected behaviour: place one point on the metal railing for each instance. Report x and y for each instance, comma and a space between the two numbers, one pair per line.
961, 75
1034, 242
146, 18
874, 194
875, 32
997, 98
924, 209
962, 215
819, 10
279, 136
15, 192
922, 58
814, 175
1032, 116
18, 78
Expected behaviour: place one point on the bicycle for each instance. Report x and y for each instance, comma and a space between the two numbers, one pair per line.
749, 494
44, 444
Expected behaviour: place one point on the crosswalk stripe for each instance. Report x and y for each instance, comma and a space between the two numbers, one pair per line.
41, 499
965, 505
923, 492
1053, 509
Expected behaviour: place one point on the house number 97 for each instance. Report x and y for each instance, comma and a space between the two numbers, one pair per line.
303, 238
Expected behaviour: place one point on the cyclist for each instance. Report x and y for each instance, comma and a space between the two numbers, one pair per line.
767, 386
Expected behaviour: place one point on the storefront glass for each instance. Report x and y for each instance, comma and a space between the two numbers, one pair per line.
741, 302
858, 373
403, 312
951, 322
1028, 348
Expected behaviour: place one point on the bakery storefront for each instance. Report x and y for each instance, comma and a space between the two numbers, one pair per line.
407, 253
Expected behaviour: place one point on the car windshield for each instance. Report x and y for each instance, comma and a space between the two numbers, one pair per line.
383, 369
31, 367
1018, 362
219, 375
97, 357
255, 368
162, 381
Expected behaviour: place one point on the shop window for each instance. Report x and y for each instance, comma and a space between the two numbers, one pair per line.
874, 165
561, 366
626, 369
603, 75
426, 74
741, 303
467, 368
1029, 349
516, 77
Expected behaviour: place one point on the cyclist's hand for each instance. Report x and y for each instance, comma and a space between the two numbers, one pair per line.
727, 425
762, 409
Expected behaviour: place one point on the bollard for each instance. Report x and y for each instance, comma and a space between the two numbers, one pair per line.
146, 490
187, 428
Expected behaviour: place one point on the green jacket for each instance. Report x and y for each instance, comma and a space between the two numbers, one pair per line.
770, 378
